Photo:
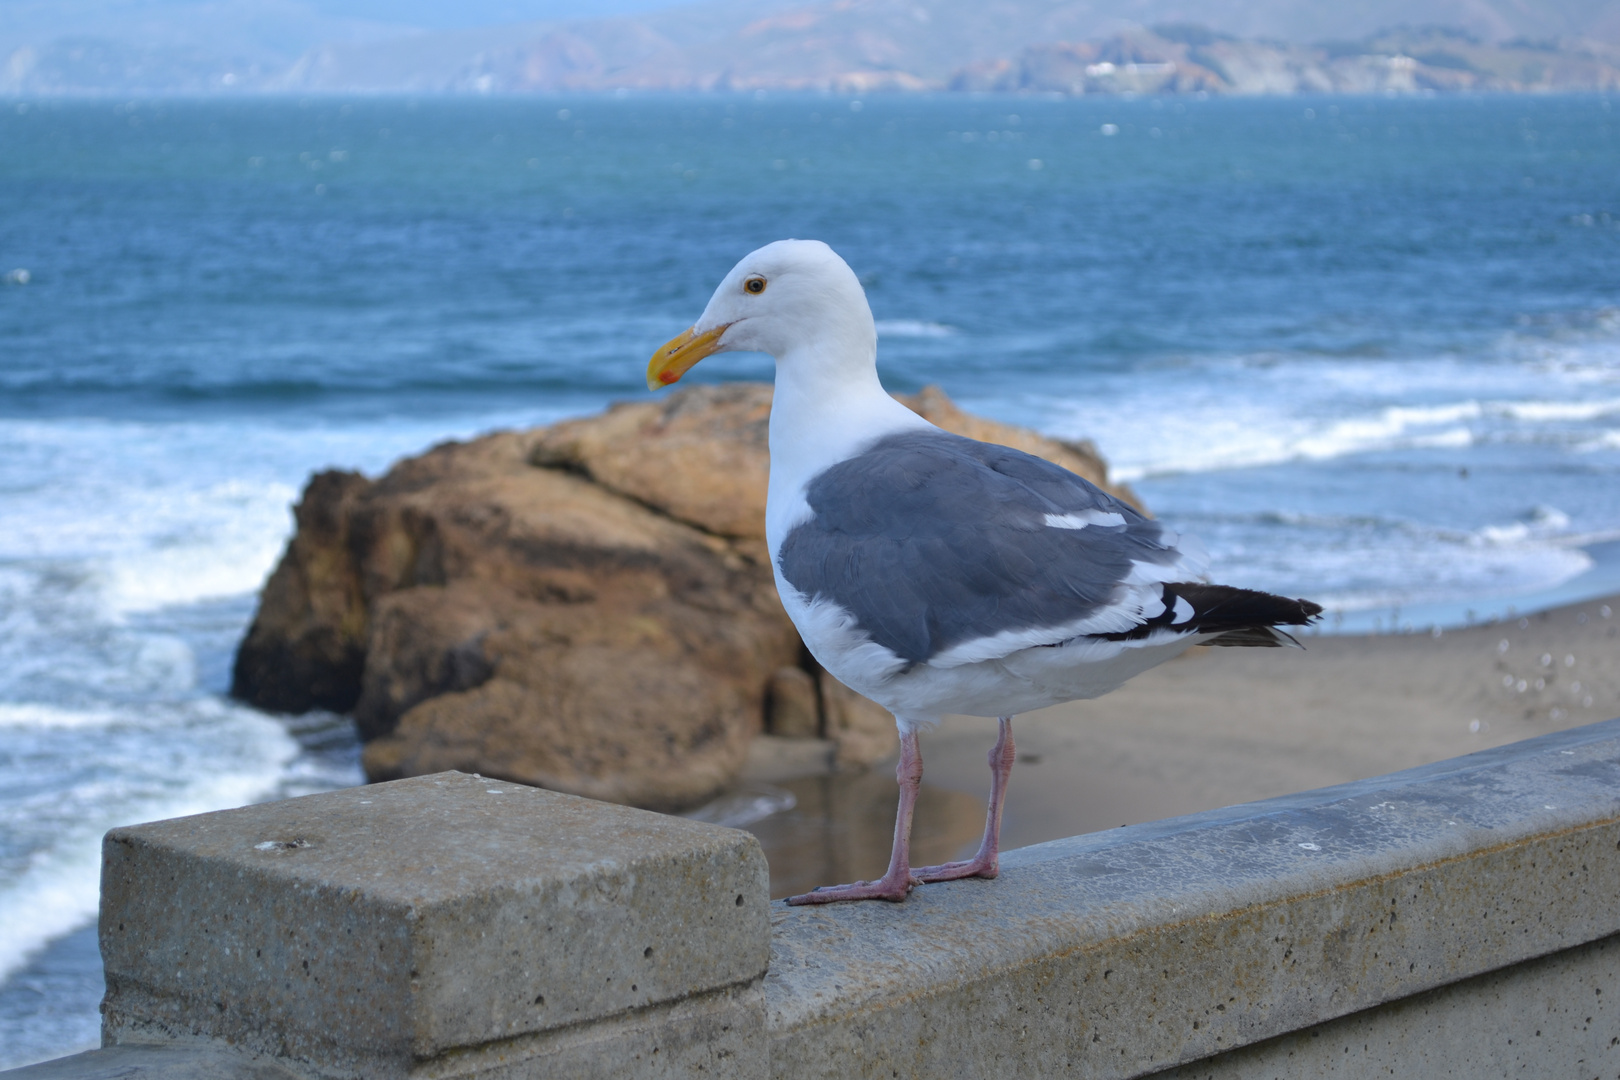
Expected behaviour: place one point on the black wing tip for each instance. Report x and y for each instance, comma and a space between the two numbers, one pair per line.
1214, 605
1276, 611
1240, 616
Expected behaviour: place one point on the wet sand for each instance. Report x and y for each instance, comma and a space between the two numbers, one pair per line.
1213, 728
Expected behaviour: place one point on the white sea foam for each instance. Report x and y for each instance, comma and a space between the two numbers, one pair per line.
1250, 439
1607, 440
913, 328
159, 514
1371, 570
1356, 564
1543, 522
1239, 414
35, 717
1548, 411
69, 775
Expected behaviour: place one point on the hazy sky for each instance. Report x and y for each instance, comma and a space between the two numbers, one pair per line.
285, 23
450, 13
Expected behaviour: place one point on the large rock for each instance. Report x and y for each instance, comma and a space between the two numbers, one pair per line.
586, 607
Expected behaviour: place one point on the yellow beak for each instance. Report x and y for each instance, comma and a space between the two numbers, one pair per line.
676, 356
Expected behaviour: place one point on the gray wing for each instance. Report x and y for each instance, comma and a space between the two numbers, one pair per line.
930, 540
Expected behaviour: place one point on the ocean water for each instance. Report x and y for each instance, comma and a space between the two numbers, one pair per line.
1368, 349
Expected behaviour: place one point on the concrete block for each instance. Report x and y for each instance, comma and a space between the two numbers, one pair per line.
369, 931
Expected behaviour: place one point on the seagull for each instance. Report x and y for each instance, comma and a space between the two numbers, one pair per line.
934, 573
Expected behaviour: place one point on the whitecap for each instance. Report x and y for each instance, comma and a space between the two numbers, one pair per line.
1212, 435
1438, 572
1607, 440
46, 717
913, 328
1541, 522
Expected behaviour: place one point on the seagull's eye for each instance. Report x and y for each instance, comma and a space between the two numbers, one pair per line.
755, 284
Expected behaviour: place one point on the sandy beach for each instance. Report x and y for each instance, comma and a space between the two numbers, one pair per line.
1218, 727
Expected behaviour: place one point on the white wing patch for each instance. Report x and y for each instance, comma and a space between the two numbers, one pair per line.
1130, 607
1079, 519
1184, 611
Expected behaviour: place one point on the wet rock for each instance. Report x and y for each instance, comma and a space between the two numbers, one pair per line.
793, 704
306, 648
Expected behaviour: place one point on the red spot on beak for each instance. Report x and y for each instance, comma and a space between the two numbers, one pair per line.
667, 377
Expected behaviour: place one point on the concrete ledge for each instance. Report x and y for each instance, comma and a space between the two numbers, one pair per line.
1118, 954
365, 932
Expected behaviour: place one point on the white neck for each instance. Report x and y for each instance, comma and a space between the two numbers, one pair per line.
828, 404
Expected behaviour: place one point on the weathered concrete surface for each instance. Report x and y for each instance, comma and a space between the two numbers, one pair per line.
441, 919
1118, 954
1553, 1018
177, 1062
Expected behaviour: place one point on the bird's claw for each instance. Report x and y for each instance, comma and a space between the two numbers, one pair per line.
884, 888
955, 871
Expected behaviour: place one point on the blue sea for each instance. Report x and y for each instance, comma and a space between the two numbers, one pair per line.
1368, 349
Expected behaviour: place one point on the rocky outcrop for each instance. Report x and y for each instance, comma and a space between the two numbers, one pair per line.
586, 607
307, 646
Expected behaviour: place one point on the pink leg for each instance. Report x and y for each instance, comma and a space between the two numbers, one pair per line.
984, 864
897, 882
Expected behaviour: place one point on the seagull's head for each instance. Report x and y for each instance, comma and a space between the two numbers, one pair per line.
789, 297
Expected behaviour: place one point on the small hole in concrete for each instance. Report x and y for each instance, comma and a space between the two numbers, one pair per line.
739, 899
634, 988
282, 845
647, 952
539, 999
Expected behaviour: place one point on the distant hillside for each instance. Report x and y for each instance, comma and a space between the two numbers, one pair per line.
1072, 47
1183, 58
